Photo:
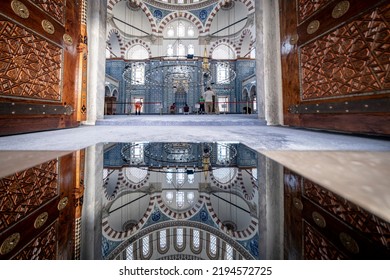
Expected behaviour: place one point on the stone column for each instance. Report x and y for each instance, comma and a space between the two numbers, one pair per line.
96, 28
268, 61
91, 215
271, 209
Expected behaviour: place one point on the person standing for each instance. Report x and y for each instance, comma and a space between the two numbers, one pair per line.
201, 104
138, 106
208, 96
172, 109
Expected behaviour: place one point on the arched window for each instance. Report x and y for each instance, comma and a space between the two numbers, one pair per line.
181, 30
171, 32
190, 31
196, 240
229, 252
179, 237
180, 199
190, 49
129, 252
180, 177
169, 197
181, 50
191, 178
190, 197
213, 244
169, 176
163, 239
170, 50
145, 245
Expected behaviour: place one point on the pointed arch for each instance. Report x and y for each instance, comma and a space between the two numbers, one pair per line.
144, 8
115, 32
137, 42
248, 3
223, 41
184, 15
244, 33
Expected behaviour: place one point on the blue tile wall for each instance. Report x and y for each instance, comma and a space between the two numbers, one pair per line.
157, 96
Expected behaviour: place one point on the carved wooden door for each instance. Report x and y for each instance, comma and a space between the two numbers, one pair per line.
42, 65
336, 64
40, 207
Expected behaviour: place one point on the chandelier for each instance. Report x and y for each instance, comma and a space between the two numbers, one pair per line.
160, 72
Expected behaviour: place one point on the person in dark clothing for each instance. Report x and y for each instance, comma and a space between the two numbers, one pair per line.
186, 109
172, 109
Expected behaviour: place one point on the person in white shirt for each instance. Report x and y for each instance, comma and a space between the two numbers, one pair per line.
208, 96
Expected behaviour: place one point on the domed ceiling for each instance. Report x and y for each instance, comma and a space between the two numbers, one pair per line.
145, 23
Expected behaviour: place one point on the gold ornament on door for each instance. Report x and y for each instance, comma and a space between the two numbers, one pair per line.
20, 9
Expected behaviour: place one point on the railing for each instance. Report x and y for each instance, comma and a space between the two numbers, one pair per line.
112, 107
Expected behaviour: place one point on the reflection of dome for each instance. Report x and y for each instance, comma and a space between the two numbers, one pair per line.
129, 225
230, 226
175, 4
133, 5
135, 175
231, 210
228, 5
224, 175
127, 210
182, 200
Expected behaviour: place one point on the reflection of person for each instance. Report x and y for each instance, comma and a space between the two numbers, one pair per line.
208, 96
172, 109
138, 106
201, 105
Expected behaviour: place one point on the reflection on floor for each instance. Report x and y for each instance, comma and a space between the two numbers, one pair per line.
186, 200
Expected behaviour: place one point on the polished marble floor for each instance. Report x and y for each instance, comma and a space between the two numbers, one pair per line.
369, 164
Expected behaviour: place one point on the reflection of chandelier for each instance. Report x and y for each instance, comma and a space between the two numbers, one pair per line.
179, 152
172, 153
132, 153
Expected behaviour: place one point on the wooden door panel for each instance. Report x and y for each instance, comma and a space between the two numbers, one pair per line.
39, 43
39, 209
336, 65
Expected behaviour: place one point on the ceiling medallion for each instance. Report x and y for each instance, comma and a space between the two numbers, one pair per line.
10, 243
48, 26
62, 204
41, 220
313, 26
67, 39
20, 9
340, 9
